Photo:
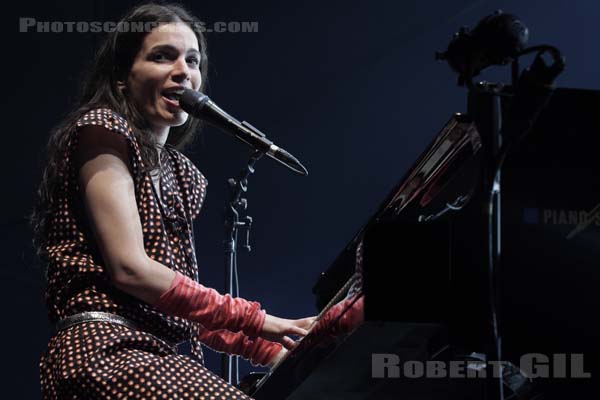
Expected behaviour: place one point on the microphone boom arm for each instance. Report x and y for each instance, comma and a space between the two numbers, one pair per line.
199, 105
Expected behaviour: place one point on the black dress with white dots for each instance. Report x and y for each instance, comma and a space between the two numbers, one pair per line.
103, 360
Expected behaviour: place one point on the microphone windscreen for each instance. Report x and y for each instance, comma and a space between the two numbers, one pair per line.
192, 101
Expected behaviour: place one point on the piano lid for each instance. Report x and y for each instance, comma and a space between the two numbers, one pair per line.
458, 141
440, 181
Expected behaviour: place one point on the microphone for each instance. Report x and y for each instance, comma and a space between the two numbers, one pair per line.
198, 105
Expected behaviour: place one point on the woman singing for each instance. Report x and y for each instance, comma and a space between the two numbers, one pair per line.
113, 224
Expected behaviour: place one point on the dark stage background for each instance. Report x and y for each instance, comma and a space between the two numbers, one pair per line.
351, 88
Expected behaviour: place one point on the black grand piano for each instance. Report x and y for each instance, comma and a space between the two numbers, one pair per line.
411, 288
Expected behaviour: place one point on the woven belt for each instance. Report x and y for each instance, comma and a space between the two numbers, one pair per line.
94, 316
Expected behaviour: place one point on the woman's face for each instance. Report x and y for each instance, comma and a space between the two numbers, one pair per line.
169, 60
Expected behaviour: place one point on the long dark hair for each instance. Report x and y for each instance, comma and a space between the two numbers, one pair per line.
111, 64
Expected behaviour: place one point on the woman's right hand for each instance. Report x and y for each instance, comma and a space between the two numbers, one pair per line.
279, 330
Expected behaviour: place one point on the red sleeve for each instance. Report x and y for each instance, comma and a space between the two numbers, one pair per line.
188, 299
257, 350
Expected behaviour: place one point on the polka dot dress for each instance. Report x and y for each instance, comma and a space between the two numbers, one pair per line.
102, 360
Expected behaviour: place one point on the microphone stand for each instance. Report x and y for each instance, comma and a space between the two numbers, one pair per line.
491, 225
531, 93
233, 221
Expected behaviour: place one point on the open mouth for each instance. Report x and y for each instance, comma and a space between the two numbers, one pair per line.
172, 96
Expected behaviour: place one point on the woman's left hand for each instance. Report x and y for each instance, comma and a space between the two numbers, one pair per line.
279, 330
